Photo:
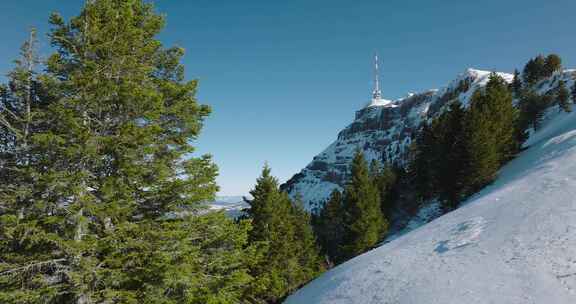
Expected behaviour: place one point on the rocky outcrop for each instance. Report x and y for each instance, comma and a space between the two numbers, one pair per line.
383, 131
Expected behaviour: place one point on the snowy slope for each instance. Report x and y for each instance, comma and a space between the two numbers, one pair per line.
382, 130
514, 242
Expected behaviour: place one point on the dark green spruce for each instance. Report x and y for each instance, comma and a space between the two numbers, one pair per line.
103, 199
364, 223
282, 229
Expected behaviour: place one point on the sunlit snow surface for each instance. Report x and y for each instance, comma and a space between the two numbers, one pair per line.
514, 242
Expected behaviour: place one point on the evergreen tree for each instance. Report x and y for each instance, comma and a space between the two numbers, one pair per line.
385, 179
451, 156
19, 110
364, 222
563, 96
553, 63
108, 217
516, 84
422, 161
490, 134
573, 93
290, 255
532, 107
329, 227
534, 70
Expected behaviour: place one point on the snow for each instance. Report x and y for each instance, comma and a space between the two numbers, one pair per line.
382, 131
380, 103
514, 242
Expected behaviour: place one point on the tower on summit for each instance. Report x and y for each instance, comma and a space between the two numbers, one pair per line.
377, 99
376, 94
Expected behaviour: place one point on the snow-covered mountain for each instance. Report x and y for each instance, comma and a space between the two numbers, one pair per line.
383, 130
514, 242
232, 205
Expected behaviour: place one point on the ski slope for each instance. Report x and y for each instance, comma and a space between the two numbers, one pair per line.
514, 242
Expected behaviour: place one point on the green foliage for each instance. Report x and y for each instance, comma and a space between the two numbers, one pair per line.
364, 223
553, 64
440, 159
450, 155
287, 243
516, 85
532, 107
462, 150
490, 133
563, 96
534, 70
422, 161
539, 67
102, 203
329, 227
385, 179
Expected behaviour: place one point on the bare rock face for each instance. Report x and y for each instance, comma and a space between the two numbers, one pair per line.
383, 131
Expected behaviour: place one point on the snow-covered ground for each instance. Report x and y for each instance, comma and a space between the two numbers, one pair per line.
514, 242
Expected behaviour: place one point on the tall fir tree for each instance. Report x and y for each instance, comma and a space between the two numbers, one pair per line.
422, 161
329, 227
385, 179
563, 96
534, 70
490, 134
451, 155
364, 222
108, 217
532, 107
284, 233
516, 84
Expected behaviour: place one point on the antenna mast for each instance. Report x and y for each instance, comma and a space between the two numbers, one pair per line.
376, 94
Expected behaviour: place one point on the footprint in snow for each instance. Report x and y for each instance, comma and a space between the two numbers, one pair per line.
462, 235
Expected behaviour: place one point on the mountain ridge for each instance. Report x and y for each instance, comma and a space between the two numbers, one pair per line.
383, 131
512, 242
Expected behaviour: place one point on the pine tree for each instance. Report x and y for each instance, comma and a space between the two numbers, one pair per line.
516, 84
422, 162
490, 134
532, 107
534, 70
451, 155
364, 222
288, 246
18, 105
329, 227
563, 96
385, 179
553, 63
109, 214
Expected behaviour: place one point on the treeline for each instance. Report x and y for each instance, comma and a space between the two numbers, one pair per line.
461, 151
100, 201
355, 220
452, 157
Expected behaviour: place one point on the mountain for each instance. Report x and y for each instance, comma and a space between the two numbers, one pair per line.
383, 130
232, 205
513, 242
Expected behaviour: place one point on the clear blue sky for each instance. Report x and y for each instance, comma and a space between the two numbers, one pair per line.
283, 77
